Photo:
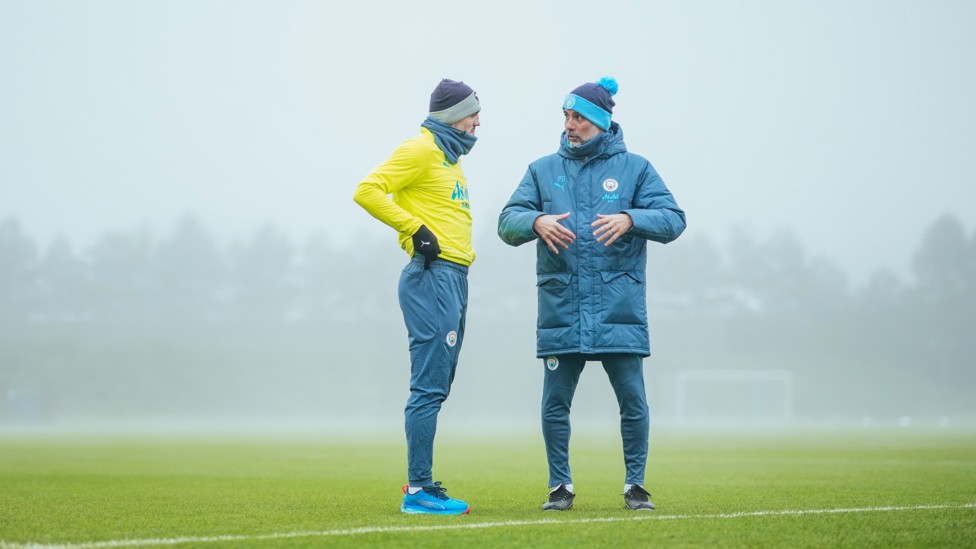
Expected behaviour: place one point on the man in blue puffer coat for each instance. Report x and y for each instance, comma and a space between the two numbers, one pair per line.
593, 206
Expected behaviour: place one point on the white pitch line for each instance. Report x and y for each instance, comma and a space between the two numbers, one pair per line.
502, 524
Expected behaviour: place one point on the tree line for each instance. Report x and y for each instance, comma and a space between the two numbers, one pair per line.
104, 330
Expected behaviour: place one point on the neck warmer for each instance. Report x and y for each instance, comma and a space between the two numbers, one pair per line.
591, 148
451, 140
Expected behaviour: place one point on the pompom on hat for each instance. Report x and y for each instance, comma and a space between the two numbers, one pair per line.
452, 101
594, 101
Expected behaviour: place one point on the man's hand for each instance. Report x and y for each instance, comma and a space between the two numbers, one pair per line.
611, 227
425, 243
552, 232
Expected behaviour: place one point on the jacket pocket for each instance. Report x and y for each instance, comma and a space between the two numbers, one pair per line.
556, 308
624, 297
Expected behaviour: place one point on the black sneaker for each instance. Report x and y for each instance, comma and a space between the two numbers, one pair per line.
638, 498
560, 499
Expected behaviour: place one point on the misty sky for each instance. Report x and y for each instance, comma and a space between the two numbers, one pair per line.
849, 123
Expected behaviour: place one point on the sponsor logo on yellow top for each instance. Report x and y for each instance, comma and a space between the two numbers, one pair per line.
460, 194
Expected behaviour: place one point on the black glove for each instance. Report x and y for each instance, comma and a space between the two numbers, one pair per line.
425, 243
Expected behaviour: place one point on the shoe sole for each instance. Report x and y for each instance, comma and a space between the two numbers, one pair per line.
547, 507
639, 507
421, 511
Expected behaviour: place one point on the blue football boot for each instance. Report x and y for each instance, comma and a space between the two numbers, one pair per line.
432, 500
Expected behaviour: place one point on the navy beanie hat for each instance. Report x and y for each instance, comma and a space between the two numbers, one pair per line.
452, 101
594, 101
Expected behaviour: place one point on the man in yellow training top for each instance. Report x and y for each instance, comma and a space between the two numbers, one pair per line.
430, 211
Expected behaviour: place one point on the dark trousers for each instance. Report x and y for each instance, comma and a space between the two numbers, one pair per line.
626, 375
434, 302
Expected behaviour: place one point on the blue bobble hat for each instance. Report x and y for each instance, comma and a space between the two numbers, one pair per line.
452, 101
594, 101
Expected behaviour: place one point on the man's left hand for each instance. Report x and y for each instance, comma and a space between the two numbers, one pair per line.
611, 227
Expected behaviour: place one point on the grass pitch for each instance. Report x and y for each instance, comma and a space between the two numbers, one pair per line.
815, 489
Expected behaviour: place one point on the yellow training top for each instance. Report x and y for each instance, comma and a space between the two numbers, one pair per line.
427, 190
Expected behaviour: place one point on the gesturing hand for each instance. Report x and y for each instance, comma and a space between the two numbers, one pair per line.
425, 243
611, 227
552, 232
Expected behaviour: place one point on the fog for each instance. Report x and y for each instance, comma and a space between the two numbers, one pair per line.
179, 247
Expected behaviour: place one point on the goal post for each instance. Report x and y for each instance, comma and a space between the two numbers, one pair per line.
733, 397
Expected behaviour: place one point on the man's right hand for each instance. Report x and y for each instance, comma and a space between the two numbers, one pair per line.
552, 232
425, 244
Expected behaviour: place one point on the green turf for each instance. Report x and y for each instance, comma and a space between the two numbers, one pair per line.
69, 490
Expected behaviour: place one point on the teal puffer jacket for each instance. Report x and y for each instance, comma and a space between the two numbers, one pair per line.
592, 298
